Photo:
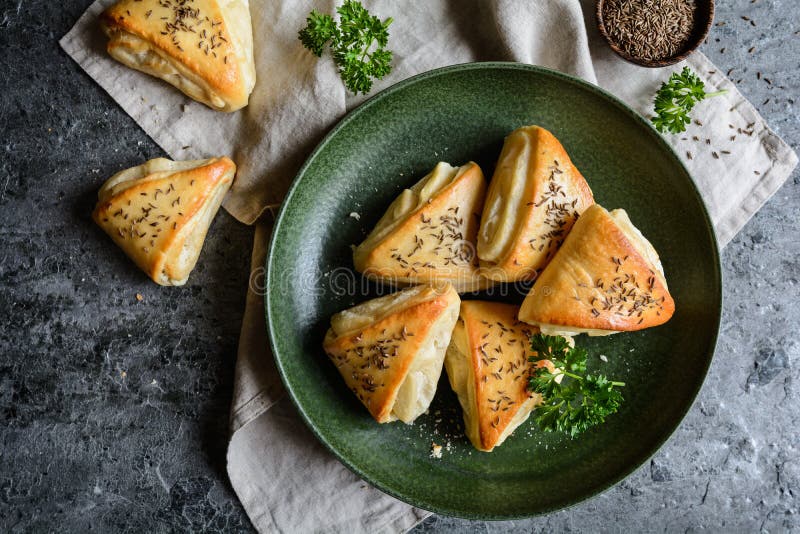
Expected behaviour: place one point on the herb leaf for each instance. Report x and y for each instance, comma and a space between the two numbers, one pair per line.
573, 400
319, 30
675, 100
358, 44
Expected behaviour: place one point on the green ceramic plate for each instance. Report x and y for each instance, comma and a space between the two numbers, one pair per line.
458, 114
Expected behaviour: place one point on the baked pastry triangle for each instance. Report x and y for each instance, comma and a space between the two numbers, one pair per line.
535, 196
428, 233
159, 213
605, 278
487, 366
202, 47
390, 350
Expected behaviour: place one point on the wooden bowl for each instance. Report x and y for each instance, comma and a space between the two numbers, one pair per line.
702, 24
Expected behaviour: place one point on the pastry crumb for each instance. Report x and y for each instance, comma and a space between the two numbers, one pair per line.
436, 450
355, 215
139, 297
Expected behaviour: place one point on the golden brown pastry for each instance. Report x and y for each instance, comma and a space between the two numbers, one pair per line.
390, 350
428, 233
159, 213
487, 365
605, 278
202, 47
535, 196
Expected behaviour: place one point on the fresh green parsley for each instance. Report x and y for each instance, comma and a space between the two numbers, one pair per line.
573, 400
358, 44
675, 100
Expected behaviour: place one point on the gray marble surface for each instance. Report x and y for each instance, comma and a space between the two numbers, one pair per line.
114, 410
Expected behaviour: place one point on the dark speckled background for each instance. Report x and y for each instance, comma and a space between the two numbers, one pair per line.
114, 411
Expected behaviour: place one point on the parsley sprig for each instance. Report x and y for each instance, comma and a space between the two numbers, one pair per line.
676, 98
573, 400
358, 43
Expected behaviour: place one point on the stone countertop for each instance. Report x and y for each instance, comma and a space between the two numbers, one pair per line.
115, 409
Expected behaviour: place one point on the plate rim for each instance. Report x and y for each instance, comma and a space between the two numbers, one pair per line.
387, 92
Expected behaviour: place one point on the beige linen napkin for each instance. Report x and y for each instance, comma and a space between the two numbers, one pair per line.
286, 481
